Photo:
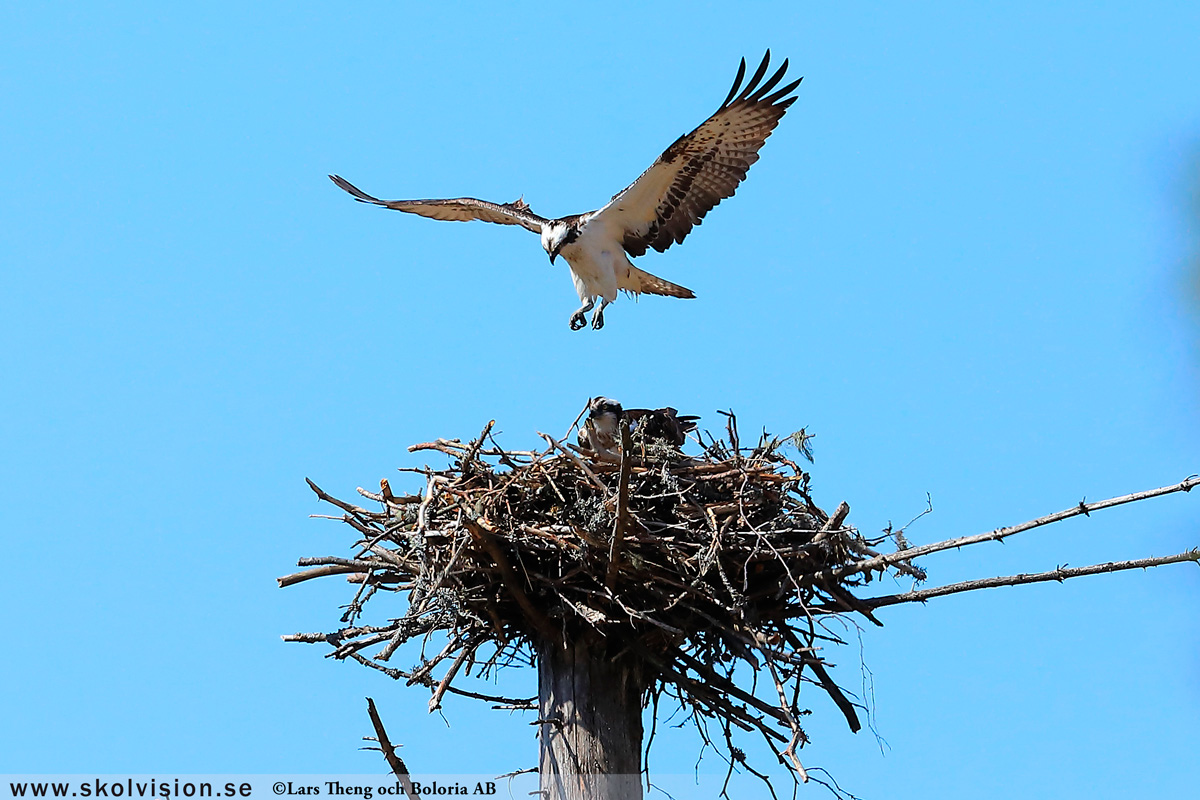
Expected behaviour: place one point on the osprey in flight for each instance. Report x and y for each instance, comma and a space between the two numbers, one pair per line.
657, 210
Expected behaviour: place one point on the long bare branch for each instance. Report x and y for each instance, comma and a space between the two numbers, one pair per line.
887, 559
1060, 574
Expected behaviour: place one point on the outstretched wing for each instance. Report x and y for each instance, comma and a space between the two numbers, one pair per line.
702, 168
462, 209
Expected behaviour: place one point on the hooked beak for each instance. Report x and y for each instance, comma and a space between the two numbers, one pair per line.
553, 256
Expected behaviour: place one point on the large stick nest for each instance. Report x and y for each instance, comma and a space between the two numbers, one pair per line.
715, 572
698, 565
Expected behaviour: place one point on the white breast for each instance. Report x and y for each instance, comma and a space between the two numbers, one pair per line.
593, 258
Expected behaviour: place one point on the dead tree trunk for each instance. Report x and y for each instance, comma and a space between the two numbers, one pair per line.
590, 713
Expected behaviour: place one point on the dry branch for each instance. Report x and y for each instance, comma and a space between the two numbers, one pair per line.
1084, 508
1060, 574
622, 520
397, 765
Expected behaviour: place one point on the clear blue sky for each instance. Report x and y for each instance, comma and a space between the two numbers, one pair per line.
962, 262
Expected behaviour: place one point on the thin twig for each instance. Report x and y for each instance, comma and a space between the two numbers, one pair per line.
887, 559
435, 702
574, 459
1060, 574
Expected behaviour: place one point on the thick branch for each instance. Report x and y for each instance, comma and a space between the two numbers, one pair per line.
320, 572
389, 752
839, 698
622, 515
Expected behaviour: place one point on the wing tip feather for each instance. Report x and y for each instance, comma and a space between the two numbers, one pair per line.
353, 191
770, 83
758, 75
758, 91
737, 82
780, 99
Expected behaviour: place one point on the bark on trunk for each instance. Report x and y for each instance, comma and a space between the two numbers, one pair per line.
590, 708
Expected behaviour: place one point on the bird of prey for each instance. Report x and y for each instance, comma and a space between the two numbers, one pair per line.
657, 210
601, 431
663, 424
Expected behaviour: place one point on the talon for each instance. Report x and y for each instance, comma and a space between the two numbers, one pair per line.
598, 320
578, 321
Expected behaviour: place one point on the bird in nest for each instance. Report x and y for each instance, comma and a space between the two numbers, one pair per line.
600, 433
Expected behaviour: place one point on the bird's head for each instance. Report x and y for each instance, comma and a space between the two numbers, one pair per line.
606, 411
555, 236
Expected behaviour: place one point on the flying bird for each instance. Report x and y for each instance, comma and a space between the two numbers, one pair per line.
657, 210
601, 430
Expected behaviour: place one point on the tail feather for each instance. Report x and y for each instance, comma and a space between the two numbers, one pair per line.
639, 281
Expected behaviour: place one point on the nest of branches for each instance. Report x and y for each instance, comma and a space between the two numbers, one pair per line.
702, 565
717, 571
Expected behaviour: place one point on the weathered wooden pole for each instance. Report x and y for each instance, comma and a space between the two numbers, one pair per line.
590, 717
590, 691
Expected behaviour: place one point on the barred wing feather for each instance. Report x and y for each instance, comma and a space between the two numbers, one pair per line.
701, 168
462, 209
